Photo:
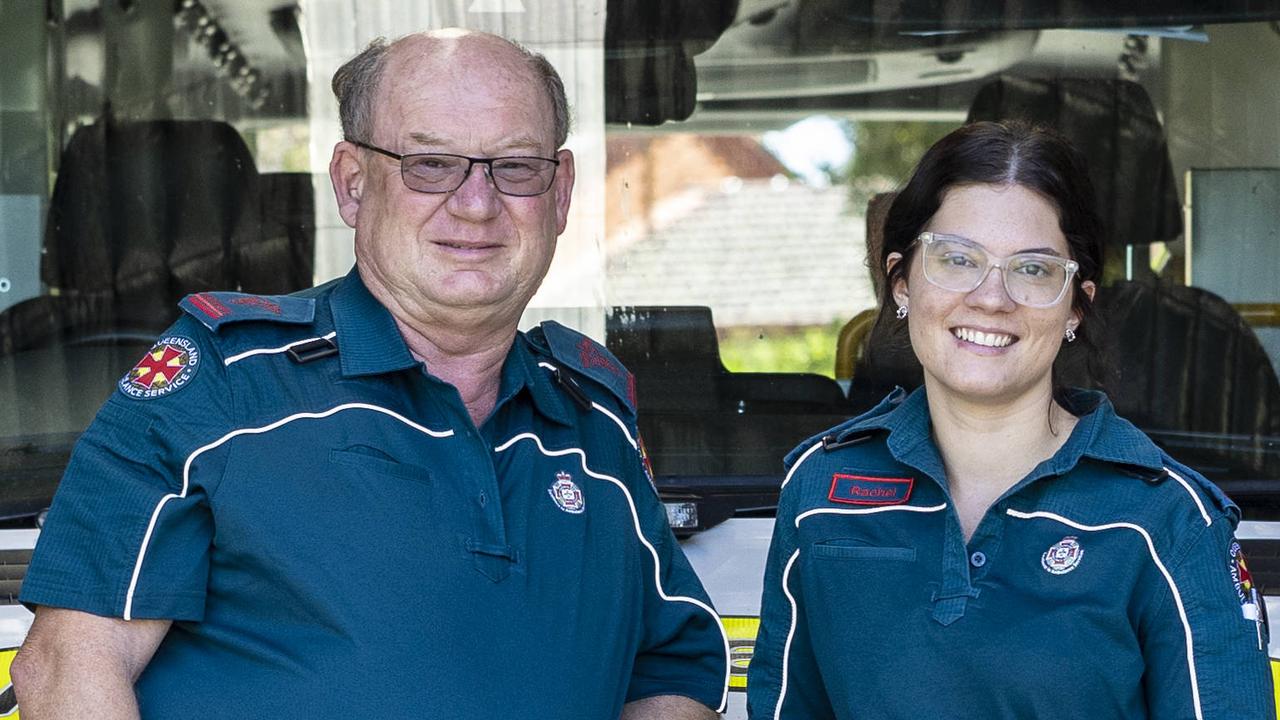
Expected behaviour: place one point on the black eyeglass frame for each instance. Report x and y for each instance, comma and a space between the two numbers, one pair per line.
471, 163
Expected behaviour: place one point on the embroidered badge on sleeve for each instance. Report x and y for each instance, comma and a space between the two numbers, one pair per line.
645, 463
166, 368
1246, 592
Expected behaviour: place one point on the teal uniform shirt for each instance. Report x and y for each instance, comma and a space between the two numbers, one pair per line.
1105, 584
334, 537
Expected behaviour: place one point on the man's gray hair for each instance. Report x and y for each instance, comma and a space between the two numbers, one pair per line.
355, 83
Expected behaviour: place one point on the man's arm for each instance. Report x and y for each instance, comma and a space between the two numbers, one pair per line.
76, 665
667, 707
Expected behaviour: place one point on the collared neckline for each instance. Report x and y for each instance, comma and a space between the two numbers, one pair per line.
520, 371
1103, 435
1099, 434
369, 341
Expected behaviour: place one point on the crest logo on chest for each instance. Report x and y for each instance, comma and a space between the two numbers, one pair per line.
566, 494
1063, 556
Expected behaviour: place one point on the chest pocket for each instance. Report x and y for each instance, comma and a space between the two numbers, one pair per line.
364, 459
851, 549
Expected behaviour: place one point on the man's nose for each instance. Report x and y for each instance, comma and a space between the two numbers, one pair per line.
477, 198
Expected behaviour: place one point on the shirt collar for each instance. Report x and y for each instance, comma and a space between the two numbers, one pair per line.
369, 341
520, 371
1102, 435
1099, 434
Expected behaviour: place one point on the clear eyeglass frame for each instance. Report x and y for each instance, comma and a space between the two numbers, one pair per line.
928, 240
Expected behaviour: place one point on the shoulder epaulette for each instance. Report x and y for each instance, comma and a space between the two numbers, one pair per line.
850, 432
586, 357
215, 309
1220, 501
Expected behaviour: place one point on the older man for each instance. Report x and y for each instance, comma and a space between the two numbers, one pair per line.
376, 497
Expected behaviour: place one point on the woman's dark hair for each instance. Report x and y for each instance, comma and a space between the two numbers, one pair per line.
1004, 153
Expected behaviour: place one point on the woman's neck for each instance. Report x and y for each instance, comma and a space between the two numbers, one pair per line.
987, 448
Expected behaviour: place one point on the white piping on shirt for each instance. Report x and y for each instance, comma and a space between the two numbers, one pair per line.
1173, 587
786, 649
617, 420
869, 510
800, 460
786, 574
1187, 486
271, 351
635, 517
186, 473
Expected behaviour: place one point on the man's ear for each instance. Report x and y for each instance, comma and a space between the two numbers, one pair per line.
899, 289
347, 175
562, 186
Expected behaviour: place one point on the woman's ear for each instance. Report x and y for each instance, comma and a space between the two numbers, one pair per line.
1088, 288
899, 289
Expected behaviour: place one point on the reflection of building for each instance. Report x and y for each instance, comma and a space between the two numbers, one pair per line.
758, 249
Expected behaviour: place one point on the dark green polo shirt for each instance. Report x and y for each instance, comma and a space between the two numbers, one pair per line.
1105, 584
334, 537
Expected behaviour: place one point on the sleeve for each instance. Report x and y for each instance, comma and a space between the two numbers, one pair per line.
684, 649
129, 530
783, 680
1204, 640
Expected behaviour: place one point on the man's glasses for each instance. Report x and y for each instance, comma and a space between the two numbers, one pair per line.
517, 175
960, 265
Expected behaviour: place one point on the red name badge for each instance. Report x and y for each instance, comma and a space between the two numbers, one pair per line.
867, 490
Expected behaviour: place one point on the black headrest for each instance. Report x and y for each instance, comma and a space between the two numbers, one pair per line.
1115, 125
679, 337
143, 213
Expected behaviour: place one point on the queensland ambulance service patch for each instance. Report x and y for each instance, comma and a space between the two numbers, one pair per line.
1246, 592
166, 368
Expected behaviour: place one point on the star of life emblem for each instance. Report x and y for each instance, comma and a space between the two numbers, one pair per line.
1063, 556
167, 367
566, 494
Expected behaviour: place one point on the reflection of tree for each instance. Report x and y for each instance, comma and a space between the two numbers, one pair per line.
886, 152
805, 348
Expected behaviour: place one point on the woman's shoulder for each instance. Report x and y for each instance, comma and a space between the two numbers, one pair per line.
1146, 484
854, 446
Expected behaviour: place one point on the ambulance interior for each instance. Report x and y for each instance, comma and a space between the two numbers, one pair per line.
152, 148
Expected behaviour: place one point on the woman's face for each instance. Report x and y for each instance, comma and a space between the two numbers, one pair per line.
981, 345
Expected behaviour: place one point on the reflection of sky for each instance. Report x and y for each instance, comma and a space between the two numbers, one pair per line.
811, 144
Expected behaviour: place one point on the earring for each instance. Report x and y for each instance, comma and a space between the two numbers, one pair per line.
1070, 334
901, 314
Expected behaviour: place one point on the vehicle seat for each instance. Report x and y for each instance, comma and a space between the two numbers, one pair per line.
283, 261
673, 352
1188, 363
1115, 125
143, 213
701, 419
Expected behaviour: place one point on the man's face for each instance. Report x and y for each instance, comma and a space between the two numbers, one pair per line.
473, 250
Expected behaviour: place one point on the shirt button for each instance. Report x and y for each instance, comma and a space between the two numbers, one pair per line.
483, 499
978, 559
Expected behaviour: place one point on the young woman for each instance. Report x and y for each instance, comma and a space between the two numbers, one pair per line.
993, 545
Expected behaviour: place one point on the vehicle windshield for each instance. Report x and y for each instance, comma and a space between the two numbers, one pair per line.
734, 161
